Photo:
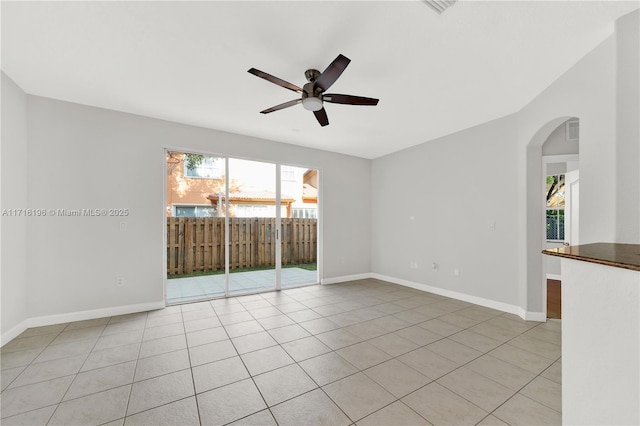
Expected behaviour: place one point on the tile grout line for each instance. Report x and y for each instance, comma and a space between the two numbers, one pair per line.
295, 362
193, 380
424, 346
247, 369
135, 368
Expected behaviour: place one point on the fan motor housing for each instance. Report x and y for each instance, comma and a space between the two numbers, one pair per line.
308, 90
311, 75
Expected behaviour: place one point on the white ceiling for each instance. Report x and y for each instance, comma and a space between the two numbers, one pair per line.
188, 61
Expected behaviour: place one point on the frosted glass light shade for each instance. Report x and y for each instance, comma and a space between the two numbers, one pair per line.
312, 104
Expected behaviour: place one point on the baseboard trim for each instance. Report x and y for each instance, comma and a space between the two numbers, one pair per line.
554, 277
532, 316
488, 303
345, 278
13, 332
77, 316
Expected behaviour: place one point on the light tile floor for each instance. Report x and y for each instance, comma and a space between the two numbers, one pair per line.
359, 353
182, 290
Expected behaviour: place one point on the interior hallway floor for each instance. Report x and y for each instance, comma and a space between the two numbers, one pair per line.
360, 353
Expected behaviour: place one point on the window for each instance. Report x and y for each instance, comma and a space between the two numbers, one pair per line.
207, 167
304, 213
555, 207
195, 211
254, 210
257, 210
288, 173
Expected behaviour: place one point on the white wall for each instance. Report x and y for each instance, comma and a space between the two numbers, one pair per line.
586, 91
509, 268
85, 157
591, 91
557, 143
628, 129
600, 344
455, 188
13, 196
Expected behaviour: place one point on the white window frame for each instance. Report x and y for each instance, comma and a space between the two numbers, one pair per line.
174, 208
288, 173
305, 211
549, 159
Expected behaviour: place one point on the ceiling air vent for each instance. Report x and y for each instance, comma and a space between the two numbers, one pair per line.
440, 5
573, 130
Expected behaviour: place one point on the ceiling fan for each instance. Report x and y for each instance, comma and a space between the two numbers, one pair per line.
313, 92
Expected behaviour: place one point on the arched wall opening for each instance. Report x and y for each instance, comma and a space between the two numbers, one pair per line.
560, 227
535, 219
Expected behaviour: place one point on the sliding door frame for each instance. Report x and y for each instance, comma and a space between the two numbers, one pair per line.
278, 201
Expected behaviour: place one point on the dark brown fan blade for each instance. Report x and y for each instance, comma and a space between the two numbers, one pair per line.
281, 106
321, 115
333, 71
275, 80
349, 99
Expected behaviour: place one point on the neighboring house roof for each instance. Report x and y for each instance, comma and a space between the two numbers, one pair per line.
257, 196
309, 193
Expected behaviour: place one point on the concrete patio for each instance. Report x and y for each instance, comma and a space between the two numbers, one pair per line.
180, 290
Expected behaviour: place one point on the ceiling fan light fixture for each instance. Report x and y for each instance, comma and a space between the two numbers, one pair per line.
312, 103
312, 93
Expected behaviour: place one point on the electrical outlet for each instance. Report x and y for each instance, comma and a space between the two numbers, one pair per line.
456, 272
119, 281
413, 265
434, 266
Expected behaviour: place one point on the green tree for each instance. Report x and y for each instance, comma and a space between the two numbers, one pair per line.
193, 160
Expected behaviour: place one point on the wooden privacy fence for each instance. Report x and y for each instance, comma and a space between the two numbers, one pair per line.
197, 244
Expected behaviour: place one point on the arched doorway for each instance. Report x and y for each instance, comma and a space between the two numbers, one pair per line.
536, 219
560, 167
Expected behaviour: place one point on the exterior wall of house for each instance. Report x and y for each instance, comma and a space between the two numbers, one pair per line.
185, 190
13, 227
188, 191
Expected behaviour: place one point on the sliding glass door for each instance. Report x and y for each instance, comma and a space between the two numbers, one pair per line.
299, 226
253, 214
195, 233
238, 226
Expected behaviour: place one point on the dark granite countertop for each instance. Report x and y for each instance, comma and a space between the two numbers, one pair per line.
625, 256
